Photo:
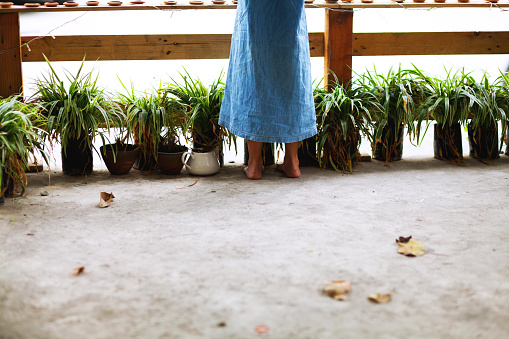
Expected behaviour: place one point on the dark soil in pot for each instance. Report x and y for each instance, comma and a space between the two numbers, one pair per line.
307, 152
483, 141
267, 154
170, 161
77, 158
124, 159
447, 143
393, 149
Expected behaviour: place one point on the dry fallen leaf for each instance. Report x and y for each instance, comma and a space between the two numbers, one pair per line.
379, 298
78, 271
337, 289
106, 199
409, 247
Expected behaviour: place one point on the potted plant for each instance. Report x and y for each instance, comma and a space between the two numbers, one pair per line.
19, 127
77, 111
343, 115
489, 108
395, 97
502, 82
155, 119
448, 101
202, 105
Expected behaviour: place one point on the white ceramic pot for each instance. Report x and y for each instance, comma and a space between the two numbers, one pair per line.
201, 163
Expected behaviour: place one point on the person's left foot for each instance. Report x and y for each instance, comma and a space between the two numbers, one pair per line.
291, 171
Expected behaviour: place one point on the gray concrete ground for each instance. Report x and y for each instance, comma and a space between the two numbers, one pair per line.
215, 257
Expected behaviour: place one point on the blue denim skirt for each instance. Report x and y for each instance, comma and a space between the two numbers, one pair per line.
268, 94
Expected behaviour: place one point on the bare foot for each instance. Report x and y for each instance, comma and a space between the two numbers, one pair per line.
253, 172
289, 170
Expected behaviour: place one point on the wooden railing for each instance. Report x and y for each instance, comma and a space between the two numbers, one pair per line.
337, 44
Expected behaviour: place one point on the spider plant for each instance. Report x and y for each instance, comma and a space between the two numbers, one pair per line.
487, 111
343, 117
77, 111
18, 139
503, 82
202, 105
394, 92
449, 102
155, 119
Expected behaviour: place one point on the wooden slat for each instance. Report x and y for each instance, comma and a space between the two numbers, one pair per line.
217, 46
11, 81
139, 47
441, 43
338, 46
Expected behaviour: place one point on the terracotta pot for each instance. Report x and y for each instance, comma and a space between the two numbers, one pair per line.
170, 163
124, 159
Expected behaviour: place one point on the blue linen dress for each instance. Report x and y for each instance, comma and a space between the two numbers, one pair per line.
268, 93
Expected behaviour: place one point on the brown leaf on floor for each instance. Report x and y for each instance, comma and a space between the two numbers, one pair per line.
194, 183
337, 289
410, 247
78, 271
106, 199
403, 240
379, 298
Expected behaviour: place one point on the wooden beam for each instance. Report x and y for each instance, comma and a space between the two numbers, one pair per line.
139, 47
11, 81
338, 49
217, 46
432, 43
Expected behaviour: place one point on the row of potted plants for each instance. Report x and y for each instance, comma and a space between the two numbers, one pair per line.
380, 107
148, 129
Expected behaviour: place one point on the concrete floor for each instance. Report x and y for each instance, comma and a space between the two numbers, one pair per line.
216, 259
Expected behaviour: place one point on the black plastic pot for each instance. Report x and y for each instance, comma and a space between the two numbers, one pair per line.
77, 157
267, 154
307, 152
145, 162
3, 183
483, 141
392, 150
507, 140
447, 142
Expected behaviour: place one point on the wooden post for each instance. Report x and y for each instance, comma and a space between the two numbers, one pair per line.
338, 37
11, 79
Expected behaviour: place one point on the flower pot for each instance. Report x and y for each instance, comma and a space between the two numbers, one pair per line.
447, 143
201, 163
507, 140
3, 185
307, 152
202, 149
170, 162
483, 141
393, 149
77, 157
267, 154
122, 162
